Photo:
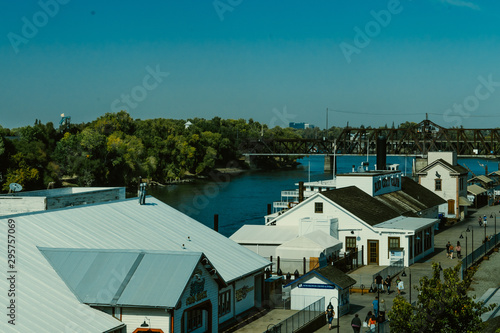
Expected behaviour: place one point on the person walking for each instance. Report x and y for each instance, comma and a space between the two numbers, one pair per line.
372, 323
387, 284
329, 315
382, 308
448, 249
375, 306
458, 248
399, 285
356, 323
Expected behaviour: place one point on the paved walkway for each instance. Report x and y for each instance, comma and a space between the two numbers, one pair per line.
488, 275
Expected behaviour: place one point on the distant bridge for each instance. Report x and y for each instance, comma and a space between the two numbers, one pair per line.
418, 140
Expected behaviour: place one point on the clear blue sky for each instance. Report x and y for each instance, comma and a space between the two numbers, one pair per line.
265, 60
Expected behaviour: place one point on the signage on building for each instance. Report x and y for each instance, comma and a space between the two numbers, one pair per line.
197, 288
316, 285
386, 184
241, 293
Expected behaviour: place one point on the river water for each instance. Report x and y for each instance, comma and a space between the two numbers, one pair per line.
243, 198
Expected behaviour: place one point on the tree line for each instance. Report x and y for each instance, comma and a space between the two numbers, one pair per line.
115, 149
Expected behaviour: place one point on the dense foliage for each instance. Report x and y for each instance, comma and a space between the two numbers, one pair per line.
114, 150
442, 306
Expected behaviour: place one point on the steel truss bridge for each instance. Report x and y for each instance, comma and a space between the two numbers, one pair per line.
417, 140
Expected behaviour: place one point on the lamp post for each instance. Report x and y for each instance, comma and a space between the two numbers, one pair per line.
491, 216
471, 229
404, 275
462, 237
338, 312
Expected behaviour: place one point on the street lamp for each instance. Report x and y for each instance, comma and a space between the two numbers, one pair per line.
404, 275
462, 237
471, 229
485, 238
491, 216
338, 312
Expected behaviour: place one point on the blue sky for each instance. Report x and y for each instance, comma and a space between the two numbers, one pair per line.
377, 62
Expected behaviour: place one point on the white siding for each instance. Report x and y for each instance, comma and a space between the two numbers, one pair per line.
449, 187
302, 297
134, 317
14, 205
212, 289
244, 294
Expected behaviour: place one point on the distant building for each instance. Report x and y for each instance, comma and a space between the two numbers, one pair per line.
34, 201
441, 174
300, 125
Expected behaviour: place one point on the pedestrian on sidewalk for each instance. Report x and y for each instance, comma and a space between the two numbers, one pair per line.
448, 249
375, 306
459, 250
372, 323
387, 283
400, 285
485, 221
451, 251
330, 314
381, 314
356, 323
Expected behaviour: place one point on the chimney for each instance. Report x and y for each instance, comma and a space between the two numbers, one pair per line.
301, 191
381, 152
269, 209
216, 222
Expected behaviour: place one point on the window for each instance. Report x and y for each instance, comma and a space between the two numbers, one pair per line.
350, 244
418, 243
427, 239
318, 207
224, 303
194, 319
437, 184
393, 244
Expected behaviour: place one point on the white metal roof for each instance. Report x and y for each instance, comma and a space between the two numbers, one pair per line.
44, 298
264, 234
407, 223
87, 272
314, 240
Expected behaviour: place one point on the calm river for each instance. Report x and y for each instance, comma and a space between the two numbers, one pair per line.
243, 198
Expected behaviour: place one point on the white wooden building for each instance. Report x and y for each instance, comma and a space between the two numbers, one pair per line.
327, 282
119, 266
447, 179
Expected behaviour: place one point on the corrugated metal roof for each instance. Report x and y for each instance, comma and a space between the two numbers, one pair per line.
407, 223
124, 278
123, 225
463, 201
475, 189
481, 178
316, 239
264, 234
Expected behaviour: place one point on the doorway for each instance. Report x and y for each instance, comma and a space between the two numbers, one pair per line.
372, 252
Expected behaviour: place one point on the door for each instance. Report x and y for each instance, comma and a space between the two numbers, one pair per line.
372, 252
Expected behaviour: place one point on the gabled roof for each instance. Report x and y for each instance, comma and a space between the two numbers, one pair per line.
412, 198
330, 275
481, 178
316, 239
264, 234
359, 203
454, 169
88, 272
475, 189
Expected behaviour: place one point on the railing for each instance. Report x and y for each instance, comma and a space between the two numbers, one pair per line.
478, 253
300, 319
292, 193
391, 270
350, 261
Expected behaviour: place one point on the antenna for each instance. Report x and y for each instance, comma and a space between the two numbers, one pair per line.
15, 187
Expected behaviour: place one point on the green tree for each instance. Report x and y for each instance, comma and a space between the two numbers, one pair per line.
442, 306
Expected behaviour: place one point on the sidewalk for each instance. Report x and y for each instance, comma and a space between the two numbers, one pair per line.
487, 276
